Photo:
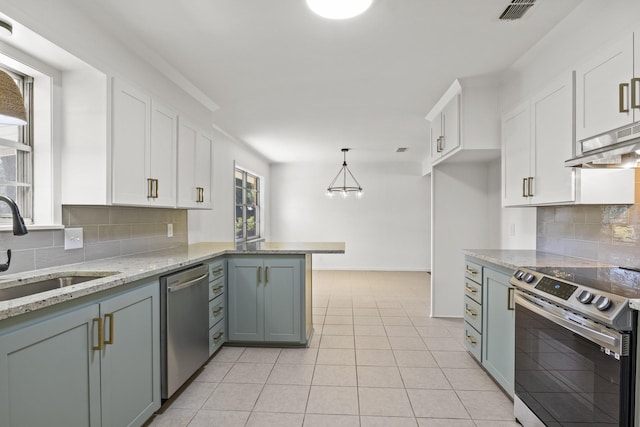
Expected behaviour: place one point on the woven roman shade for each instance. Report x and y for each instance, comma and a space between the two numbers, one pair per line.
12, 110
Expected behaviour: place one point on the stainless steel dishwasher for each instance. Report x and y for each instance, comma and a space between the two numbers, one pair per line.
185, 326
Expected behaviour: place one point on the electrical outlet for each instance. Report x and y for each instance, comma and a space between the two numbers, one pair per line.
73, 238
169, 230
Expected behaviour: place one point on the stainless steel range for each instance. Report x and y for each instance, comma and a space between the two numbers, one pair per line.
575, 346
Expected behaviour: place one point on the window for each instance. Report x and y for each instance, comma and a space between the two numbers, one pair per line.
16, 156
247, 206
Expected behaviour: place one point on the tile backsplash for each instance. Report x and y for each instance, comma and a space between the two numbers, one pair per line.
109, 231
605, 233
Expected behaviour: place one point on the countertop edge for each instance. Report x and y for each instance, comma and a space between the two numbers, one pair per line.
150, 264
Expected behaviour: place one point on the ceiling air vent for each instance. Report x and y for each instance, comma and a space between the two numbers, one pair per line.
401, 149
516, 9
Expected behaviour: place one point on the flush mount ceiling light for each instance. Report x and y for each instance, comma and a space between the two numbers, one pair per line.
12, 111
344, 189
339, 9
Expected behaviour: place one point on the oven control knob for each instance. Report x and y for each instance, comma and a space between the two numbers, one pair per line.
529, 277
518, 274
602, 302
585, 297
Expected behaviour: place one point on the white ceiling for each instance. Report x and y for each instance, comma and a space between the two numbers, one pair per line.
298, 87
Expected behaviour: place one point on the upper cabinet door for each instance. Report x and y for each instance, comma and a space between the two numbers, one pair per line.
130, 144
552, 142
204, 147
187, 137
163, 152
451, 126
603, 88
516, 155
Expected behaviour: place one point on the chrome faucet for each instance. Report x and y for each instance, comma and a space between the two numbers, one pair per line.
19, 229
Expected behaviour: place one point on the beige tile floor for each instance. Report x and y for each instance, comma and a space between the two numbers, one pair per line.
376, 359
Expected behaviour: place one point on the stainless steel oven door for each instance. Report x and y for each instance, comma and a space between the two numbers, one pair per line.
569, 370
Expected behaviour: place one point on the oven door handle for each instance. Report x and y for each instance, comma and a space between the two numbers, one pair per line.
605, 340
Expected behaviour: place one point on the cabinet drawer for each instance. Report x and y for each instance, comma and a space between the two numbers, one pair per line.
473, 290
216, 270
216, 288
473, 313
473, 341
473, 271
216, 310
216, 337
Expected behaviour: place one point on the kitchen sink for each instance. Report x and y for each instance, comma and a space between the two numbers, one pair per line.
31, 286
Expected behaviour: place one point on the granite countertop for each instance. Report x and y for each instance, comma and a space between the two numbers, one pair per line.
528, 258
131, 268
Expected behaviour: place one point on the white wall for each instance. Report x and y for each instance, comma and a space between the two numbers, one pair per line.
466, 215
388, 229
217, 225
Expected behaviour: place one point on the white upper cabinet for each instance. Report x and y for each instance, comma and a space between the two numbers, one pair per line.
194, 167
143, 149
537, 138
604, 84
465, 122
516, 155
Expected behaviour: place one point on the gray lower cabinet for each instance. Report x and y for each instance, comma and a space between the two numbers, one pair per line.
266, 299
91, 365
498, 332
217, 304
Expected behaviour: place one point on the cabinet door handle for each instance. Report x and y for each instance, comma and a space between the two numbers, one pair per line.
266, 275
100, 333
470, 271
157, 182
511, 304
259, 274
110, 317
530, 186
470, 340
621, 97
635, 99
469, 289
524, 187
470, 312
149, 188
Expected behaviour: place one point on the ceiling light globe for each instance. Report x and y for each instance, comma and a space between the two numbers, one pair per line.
339, 9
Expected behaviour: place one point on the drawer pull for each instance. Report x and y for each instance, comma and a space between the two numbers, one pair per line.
470, 312
218, 336
470, 271
216, 311
471, 341
470, 289
217, 270
217, 289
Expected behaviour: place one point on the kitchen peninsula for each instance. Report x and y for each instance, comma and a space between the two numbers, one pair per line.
100, 340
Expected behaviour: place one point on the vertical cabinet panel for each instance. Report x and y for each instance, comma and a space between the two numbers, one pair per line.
194, 167
451, 126
598, 91
246, 299
552, 143
49, 375
130, 364
498, 336
130, 144
516, 134
162, 155
282, 300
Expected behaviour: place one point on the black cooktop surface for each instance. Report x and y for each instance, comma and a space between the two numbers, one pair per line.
619, 281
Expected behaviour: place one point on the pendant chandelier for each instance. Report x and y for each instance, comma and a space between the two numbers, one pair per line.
339, 183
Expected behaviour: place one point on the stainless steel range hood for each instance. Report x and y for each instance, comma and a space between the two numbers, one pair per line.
616, 149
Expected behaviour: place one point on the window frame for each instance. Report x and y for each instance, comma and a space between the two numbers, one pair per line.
245, 206
24, 151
